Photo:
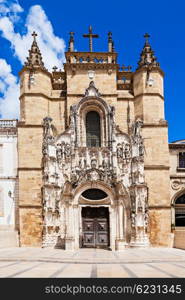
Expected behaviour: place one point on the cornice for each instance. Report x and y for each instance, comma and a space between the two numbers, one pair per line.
125, 98
156, 167
30, 206
152, 70
148, 94
22, 124
29, 169
41, 95
151, 207
177, 176
165, 124
177, 146
8, 177
35, 70
69, 53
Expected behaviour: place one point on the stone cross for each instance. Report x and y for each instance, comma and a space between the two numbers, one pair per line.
90, 35
34, 34
146, 36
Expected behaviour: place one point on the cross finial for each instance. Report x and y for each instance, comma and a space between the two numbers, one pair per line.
146, 36
90, 35
110, 35
71, 35
90, 29
55, 69
34, 34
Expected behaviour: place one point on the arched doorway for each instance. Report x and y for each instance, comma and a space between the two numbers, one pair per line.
95, 220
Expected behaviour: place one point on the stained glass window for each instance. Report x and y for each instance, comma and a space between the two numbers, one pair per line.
93, 133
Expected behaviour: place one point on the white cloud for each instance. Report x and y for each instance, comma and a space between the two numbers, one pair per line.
9, 102
10, 9
52, 48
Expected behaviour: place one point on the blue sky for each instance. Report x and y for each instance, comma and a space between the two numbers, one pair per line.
128, 21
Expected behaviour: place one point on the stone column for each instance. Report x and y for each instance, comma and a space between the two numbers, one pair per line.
121, 221
113, 226
69, 241
120, 242
78, 142
62, 221
80, 226
76, 225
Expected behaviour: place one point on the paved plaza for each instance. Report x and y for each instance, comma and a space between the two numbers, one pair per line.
94, 263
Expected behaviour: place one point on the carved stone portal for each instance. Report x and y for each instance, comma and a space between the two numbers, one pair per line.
67, 164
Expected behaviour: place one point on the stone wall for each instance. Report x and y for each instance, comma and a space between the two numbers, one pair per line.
179, 237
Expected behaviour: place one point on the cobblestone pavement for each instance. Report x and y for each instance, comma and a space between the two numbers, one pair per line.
56, 263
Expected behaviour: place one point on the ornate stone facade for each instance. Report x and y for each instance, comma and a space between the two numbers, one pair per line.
126, 162
68, 163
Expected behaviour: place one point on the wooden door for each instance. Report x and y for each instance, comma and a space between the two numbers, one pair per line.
95, 229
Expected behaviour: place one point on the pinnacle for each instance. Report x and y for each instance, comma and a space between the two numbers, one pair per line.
147, 57
35, 58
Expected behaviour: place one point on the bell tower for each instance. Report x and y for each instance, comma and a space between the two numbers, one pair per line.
35, 89
149, 107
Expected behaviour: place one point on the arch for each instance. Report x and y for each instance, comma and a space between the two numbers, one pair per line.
84, 110
179, 209
106, 113
177, 195
93, 129
89, 185
118, 206
94, 98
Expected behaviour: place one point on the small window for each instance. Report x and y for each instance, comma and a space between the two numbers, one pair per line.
182, 160
94, 194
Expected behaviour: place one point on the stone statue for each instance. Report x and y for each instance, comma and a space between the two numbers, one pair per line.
93, 163
141, 148
137, 127
127, 151
119, 151
67, 151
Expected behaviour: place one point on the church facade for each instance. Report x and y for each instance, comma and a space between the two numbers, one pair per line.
93, 153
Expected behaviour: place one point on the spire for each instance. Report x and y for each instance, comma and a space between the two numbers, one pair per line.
71, 42
147, 57
35, 58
